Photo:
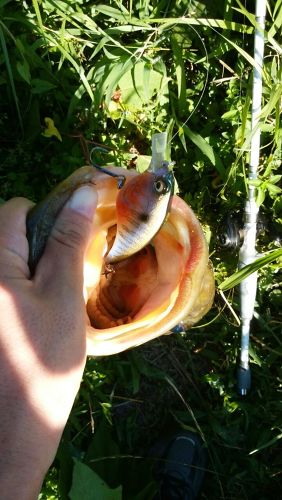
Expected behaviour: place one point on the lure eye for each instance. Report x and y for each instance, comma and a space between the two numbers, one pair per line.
161, 186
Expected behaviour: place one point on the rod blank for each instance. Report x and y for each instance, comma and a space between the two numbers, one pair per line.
248, 253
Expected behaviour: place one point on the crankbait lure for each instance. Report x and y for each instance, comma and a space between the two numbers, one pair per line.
142, 205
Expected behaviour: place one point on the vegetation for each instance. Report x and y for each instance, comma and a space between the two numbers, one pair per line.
79, 74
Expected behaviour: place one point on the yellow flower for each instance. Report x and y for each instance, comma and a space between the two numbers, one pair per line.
50, 129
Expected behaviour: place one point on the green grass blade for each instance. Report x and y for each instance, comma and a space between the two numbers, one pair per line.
38, 13
266, 445
119, 15
243, 273
10, 74
210, 23
179, 72
76, 66
206, 149
213, 24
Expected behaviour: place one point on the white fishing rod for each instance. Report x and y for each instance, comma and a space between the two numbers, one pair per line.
248, 253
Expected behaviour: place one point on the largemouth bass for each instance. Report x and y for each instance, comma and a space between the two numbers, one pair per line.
160, 272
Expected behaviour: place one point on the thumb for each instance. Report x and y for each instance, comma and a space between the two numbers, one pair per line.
64, 254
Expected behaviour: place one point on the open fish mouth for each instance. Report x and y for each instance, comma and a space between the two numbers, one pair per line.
138, 298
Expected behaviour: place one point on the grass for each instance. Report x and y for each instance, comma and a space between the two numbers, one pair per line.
113, 75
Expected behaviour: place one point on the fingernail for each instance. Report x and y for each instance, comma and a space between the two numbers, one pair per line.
83, 201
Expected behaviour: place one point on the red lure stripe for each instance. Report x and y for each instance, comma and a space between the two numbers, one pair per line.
137, 195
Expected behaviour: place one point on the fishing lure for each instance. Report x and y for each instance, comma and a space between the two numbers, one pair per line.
142, 205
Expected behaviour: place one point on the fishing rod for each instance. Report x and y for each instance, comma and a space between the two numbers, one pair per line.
248, 252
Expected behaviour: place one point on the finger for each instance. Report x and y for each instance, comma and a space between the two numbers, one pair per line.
62, 262
13, 242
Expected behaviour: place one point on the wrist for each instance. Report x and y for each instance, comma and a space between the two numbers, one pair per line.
18, 481
28, 447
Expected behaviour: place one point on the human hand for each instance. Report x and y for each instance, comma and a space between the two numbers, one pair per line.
42, 339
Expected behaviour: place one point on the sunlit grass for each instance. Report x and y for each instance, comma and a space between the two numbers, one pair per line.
113, 75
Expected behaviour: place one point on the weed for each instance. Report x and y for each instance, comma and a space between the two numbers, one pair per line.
112, 75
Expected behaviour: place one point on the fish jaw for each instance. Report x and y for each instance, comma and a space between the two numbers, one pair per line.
183, 290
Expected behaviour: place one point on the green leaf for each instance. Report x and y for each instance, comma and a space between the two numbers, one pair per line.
254, 357
229, 114
275, 178
260, 196
245, 12
126, 28
78, 68
267, 444
146, 79
182, 138
255, 182
87, 485
23, 69
274, 98
213, 24
138, 84
110, 56
114, 77
142, 163
197, 21
40, 86
240, 275
86, 21
206, 149
38, 13
273, 189
99, 47
112, 12
10, 73
277, 8
4, 2
103, 454
222, 48
180, 73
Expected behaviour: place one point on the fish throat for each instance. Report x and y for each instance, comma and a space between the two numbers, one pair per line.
124, 289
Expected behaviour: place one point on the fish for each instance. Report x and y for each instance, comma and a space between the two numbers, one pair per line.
152, 288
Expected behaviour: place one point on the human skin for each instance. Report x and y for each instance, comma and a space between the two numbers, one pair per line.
42, 339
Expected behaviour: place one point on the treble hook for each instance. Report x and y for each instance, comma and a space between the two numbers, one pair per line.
120, 178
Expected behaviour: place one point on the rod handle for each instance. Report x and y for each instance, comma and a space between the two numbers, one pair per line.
243, 380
